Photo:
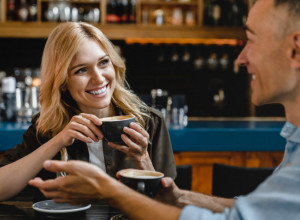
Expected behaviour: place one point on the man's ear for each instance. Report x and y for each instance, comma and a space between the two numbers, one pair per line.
295, 52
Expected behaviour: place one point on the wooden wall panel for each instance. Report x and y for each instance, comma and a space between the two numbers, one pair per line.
202, 163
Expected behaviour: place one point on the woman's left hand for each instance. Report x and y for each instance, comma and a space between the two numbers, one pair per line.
137, 140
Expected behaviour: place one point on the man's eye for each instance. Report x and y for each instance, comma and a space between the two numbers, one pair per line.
82, 70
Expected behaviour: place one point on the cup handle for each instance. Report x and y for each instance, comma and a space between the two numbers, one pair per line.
141, 187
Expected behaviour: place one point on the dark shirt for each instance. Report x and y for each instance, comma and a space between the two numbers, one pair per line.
159, 149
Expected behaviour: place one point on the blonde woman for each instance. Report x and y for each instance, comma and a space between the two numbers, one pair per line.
83, 80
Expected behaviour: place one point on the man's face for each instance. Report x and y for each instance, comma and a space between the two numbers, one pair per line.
266, 55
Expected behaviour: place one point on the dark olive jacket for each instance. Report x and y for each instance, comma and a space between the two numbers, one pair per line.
159, 149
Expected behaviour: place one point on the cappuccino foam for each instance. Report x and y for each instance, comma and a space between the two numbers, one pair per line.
141, 174
117, 118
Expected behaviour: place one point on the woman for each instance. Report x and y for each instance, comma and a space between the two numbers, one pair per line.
83, 80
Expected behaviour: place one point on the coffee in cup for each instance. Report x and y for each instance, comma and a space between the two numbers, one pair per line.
112, 127
144, 181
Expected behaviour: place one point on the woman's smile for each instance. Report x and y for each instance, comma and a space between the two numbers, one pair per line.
100, 91
92, 79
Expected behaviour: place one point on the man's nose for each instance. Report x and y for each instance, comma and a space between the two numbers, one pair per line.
242, 59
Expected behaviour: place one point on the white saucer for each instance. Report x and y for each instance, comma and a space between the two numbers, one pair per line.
49, 206
119, 217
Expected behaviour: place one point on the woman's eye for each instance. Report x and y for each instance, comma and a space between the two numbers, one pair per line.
82, 70
104, 62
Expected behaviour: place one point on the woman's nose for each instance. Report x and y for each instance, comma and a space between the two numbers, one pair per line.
97, 76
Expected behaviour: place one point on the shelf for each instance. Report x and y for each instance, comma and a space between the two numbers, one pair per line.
183, 41
193, 3
121, 32
75, 1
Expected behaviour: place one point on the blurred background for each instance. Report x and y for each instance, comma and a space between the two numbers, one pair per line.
180, 54
181, 59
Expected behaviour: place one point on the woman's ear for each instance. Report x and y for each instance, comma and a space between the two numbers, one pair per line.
63, 87
295, 52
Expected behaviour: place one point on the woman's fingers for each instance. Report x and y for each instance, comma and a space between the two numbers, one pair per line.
137, 133
139, 129
85, 123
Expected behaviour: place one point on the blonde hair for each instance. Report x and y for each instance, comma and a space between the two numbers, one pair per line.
57, 105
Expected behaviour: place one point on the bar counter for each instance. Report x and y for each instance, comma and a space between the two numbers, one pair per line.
199, 135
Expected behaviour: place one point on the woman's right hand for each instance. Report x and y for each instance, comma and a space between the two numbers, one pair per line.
82, 127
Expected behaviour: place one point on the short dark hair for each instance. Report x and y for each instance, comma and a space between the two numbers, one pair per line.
293, 6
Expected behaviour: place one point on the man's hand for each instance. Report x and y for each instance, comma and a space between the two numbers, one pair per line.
83, 184
169, 193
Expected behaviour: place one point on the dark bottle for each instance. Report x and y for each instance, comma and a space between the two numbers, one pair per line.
244, 12
216, 12
132, 11
112, 12
226, 16
8, 107
208, 12
23, 11
11, 10
212, 61
235, 10
32, 9
239, 10
123, 11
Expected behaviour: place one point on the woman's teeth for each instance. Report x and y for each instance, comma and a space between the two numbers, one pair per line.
253, 77
97, 92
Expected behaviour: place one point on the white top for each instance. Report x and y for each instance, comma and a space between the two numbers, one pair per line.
96, 154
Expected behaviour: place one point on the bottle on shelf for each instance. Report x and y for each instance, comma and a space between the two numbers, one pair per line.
212, 61
112, 12
23, 11
123, 11
11, 10
190, 19
145, 16
159, 17
236, 13
32, 9
96, 15
8, 105
132, 11
216, 12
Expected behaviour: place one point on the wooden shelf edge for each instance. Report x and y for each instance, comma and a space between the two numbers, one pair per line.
121, 32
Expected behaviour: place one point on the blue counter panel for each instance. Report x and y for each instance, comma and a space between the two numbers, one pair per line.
228, 136
11, 134
197, 136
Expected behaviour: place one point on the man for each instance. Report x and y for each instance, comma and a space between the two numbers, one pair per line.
272, 57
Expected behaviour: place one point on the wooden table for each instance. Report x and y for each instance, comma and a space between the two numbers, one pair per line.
22, 210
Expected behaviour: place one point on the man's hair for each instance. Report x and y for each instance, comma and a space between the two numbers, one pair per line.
292, 21
293, 6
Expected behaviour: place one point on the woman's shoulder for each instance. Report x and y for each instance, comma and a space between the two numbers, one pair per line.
153, 112
155, 118
35, 118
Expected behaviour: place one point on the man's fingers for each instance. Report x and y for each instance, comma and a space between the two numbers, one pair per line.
167, 182
35, 182
70, 167
56, 166
47, 185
